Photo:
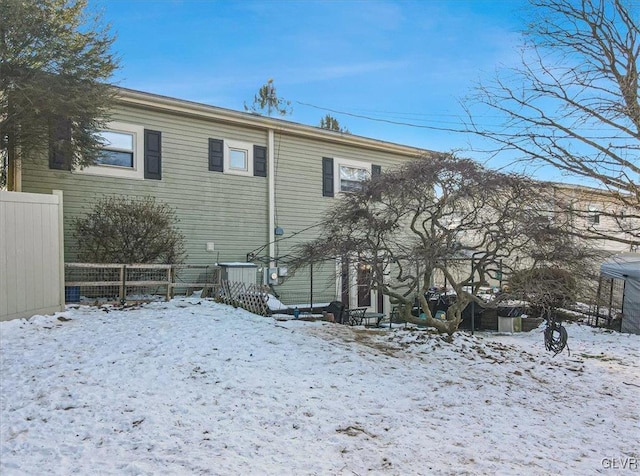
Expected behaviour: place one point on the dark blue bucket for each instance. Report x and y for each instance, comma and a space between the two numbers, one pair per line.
72, 293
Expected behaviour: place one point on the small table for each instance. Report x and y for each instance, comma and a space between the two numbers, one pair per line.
378, 316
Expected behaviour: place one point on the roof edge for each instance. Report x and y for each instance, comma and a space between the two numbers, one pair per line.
195, 109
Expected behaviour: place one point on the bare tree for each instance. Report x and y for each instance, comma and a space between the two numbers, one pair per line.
573, 102
544, 288
437, 214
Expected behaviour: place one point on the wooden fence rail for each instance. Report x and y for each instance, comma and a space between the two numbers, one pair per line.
109, 281
114, 282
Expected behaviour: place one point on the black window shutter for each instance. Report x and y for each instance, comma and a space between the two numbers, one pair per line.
259, 161
216, 155
376, 170
60, 144
327, 177
152, 155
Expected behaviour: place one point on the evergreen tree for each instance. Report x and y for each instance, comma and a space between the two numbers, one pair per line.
267, 100
55, 61
331, 123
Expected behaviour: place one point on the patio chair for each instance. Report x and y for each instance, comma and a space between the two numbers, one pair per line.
395, 317
356, 316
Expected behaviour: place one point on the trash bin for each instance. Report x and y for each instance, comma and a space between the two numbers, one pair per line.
337, 309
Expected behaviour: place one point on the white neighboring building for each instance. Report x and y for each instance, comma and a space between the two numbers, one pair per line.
599, 214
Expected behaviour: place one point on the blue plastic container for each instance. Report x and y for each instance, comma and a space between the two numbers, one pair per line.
72, 293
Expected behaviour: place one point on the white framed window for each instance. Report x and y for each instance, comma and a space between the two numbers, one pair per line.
593, 218
122, 153
118, 150
349, 175
238, 157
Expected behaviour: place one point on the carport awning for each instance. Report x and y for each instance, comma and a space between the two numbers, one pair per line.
626, 266
623, 266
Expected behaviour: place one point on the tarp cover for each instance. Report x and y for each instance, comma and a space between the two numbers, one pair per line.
626, 266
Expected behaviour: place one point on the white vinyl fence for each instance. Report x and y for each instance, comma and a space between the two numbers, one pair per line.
31, 254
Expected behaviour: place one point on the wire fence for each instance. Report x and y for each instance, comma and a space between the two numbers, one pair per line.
110, 282
98, 283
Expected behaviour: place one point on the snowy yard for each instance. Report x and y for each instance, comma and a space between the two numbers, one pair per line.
193, 387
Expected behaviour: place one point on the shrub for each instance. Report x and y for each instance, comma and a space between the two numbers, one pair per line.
545, 288
129, 230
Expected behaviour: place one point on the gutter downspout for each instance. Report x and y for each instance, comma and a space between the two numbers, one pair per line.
271, 186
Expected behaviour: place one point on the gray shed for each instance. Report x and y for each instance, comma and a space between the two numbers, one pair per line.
626, 267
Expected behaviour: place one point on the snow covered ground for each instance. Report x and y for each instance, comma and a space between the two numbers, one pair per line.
193, 387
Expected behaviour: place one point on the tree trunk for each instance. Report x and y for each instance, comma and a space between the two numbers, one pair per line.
13, 184
448, 326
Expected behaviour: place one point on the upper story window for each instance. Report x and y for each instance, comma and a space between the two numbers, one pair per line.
118, 149
238, 159
122, 152
351, 177
593, 218
344, 176
350, 174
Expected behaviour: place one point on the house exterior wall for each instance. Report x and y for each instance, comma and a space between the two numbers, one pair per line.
231, 211
300, 203
228, 210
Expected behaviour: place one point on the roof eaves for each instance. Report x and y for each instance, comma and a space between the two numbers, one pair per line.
194, 109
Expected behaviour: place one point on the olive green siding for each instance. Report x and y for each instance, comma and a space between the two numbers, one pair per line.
230, 210
299, 201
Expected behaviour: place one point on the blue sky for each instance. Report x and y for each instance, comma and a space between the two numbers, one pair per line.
402, 61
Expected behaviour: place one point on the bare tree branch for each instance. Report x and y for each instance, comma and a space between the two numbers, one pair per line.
573, 101
437, 214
